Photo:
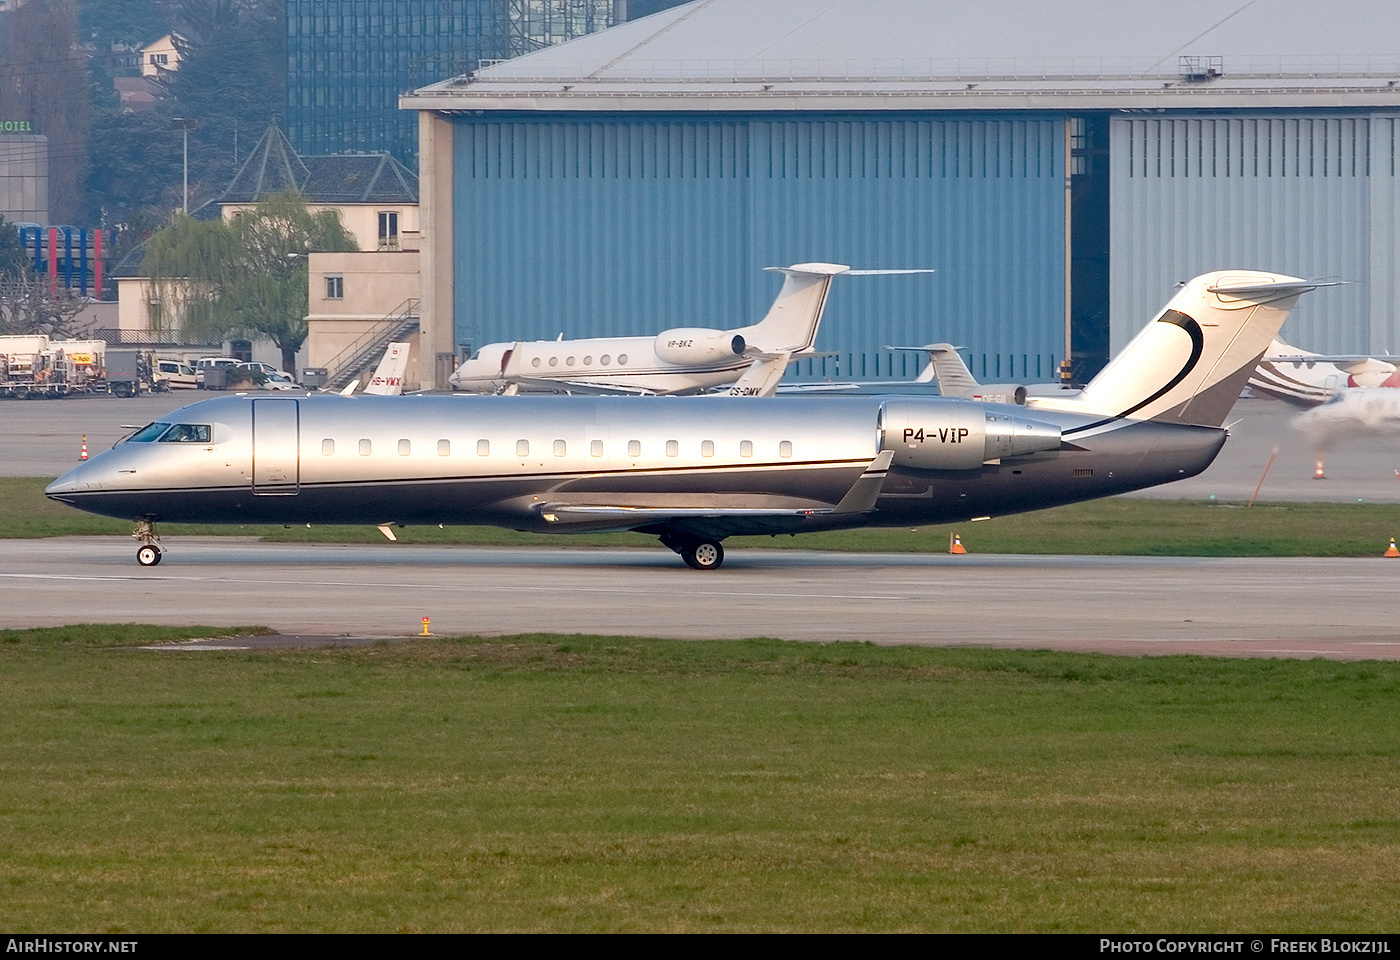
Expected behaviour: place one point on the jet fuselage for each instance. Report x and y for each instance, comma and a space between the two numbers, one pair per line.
689, 467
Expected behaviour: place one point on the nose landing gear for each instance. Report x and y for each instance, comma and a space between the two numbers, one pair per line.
149, 553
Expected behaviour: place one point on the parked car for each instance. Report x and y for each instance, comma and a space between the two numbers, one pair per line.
176, 375
265, 369
279, 381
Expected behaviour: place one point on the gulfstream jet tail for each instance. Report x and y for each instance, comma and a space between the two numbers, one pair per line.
1190, 363
791, 323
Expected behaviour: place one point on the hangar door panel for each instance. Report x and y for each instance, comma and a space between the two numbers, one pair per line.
276, 447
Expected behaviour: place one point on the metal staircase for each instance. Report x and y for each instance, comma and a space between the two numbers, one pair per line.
367, 348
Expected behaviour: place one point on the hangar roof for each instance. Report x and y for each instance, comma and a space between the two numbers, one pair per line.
949, 54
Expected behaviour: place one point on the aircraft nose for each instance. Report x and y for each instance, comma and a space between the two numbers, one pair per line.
67, 483
71, 482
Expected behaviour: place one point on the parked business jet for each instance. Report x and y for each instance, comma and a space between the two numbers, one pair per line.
693, 471
387, 379
750, 360
945, 375
1308, 379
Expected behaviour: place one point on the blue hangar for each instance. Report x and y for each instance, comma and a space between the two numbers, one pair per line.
1062, 164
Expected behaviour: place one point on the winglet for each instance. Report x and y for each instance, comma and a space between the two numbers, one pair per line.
350, 388
866, 490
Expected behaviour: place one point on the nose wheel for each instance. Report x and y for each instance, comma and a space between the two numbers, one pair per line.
149, 553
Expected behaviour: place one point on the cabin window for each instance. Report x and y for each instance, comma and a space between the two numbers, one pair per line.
622, 359
560, 448
605, 359
188, 433
522, 448
483, 448
595, 448
364, 448
588, 361
554, 361
785, 448
405, 448
673, 448
444, 448
745, 448
569, 362
634, 448
707, 448
535, 362
328, 447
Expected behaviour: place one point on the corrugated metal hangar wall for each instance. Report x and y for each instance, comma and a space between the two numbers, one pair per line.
622, 225
1313, 195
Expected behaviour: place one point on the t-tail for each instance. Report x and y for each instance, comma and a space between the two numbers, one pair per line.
388, 376
790, 326
1191, 362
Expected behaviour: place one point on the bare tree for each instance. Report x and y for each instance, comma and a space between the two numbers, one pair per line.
31, 304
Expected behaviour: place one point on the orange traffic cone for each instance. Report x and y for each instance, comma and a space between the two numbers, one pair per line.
1318, 474
83, 455
1392, 552
955, 545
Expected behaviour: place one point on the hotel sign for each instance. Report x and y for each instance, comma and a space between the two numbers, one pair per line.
15, 126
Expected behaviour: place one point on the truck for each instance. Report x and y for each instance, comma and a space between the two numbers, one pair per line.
30, 368
129, 373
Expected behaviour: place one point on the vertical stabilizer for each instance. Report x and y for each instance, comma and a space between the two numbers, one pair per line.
388, 376
1191, 362
954, 379
791, 323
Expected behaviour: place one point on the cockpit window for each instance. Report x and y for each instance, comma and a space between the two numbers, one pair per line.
188, 433
148, 433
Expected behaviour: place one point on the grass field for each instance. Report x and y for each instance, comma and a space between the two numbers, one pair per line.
585, 783
1116, 526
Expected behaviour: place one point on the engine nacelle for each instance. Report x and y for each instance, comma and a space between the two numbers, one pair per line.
957, 435
1000, 393
687, 345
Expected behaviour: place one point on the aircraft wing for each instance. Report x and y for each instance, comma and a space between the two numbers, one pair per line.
554, 385
860, 498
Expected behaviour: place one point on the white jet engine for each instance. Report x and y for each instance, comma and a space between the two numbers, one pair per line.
958, 435
692, 345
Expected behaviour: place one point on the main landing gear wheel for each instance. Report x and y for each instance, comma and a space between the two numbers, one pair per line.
148, 555
704, 555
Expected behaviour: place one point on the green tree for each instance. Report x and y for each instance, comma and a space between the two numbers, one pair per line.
245, 277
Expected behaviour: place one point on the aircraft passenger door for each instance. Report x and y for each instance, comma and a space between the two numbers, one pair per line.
276, 447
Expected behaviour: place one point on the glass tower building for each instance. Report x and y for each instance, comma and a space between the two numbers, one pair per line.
348, 60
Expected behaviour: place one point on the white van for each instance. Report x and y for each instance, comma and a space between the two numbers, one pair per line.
175, 374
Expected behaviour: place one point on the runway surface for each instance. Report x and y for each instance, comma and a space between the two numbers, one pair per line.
1336, 608
42, 438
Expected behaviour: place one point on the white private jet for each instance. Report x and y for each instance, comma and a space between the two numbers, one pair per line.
1307, 379
387, 379
749, 360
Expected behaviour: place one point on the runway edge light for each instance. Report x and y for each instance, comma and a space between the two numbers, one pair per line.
425, 632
